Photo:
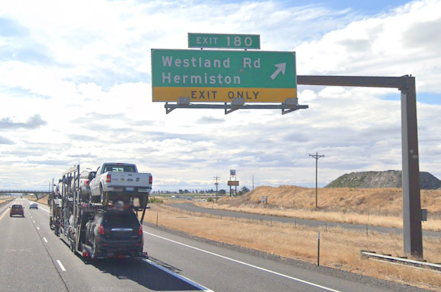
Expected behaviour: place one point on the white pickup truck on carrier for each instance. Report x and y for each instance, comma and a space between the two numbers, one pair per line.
120, 182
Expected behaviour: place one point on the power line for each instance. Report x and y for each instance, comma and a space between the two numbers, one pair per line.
216, 184
317, 157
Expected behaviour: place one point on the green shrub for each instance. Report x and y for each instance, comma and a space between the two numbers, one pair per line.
155, 200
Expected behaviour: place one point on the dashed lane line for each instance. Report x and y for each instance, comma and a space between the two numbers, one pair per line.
61, 266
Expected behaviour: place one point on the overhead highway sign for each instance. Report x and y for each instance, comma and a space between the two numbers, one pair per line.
221, 76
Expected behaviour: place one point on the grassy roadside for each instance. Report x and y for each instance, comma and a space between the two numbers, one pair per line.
375, 207
434, 224
2, 201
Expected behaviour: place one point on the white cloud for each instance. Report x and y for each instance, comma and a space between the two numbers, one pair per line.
394, 44
84, 69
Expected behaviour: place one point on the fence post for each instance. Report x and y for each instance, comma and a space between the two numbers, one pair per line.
318, 249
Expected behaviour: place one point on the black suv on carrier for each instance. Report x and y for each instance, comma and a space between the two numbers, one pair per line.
114, 233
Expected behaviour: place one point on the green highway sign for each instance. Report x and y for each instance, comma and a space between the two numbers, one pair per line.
220, 76
224, 41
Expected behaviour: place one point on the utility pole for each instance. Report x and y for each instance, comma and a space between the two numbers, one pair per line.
316, 156
216, 184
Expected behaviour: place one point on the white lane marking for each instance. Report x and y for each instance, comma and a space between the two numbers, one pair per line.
44, 210
61, 266
33, 221
44, 238
246, 264
182, 278
38, 228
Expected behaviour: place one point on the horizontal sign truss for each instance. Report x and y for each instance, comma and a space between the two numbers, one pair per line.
288, 106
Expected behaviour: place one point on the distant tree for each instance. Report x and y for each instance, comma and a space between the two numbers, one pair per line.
243, 191
181, 191
222, 192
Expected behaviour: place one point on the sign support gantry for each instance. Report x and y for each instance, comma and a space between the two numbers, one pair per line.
290, 105
412, 213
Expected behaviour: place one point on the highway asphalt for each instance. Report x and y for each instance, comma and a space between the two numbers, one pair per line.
32, 258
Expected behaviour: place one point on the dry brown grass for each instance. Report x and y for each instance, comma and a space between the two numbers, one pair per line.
382, 201
5, 200
376, 207
43, 200
340, 248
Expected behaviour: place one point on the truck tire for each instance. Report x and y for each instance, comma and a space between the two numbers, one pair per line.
105, 198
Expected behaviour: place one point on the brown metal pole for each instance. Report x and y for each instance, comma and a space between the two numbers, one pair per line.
316, 173
412, 230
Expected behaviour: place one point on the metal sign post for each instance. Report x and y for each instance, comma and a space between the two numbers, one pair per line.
412, 229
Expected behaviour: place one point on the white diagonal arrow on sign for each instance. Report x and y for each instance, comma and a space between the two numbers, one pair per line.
280, 68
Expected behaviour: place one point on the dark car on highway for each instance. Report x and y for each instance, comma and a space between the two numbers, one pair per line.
17, 209
114, 233
86, 177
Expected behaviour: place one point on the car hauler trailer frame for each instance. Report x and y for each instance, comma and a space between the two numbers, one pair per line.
69, 217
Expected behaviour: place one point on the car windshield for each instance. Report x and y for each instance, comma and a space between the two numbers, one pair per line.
120, 218
16, 206
120, 168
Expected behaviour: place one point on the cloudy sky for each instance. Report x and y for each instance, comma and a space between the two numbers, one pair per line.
75, 88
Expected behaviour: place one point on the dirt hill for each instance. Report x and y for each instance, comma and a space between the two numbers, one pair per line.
382, 179
386, 201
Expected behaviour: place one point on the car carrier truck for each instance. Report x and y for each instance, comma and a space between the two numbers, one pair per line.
96, 230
